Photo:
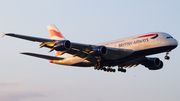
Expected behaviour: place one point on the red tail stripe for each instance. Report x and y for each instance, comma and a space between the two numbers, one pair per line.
55, 33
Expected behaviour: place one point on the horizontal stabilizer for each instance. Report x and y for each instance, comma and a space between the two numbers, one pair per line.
43, 56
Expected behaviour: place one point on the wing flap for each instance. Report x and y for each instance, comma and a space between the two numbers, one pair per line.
43, 56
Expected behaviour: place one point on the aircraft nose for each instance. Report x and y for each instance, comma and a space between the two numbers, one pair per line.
174, 43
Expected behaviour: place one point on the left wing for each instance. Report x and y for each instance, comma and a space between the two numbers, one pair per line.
45, 42
77, 49
30, 38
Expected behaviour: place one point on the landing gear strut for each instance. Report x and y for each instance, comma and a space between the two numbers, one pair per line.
167, 57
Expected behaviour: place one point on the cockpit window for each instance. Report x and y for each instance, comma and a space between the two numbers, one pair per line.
169, 37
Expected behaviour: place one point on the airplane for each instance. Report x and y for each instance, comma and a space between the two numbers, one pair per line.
124, 53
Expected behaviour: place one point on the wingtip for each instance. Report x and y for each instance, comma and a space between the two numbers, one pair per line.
24, 53
3, 34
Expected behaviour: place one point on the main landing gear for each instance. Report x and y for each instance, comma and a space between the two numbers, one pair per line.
167, 57
109, 69
98, 66
120, 69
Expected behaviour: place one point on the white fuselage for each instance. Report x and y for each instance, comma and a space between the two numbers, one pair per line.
136, 43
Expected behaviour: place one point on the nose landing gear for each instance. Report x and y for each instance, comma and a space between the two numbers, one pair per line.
167, 57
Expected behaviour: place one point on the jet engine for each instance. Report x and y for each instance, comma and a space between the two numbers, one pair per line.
62, 45
153, 63
98, 51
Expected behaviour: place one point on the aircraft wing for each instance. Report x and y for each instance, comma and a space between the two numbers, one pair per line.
30, 38
43, 56
82, 50
77, 49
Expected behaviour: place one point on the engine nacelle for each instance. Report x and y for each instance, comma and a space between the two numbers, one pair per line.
98, 51
153, 63
62, 45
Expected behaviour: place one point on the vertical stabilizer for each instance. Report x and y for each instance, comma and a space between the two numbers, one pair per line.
55, 33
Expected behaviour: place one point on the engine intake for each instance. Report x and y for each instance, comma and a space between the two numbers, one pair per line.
153, 63
62, 45
98, 51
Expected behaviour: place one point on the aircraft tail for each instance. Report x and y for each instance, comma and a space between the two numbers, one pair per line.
55, 33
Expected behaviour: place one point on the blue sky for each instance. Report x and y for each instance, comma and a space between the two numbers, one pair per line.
24, 78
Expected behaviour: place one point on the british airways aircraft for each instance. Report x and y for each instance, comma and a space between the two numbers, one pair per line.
124, 53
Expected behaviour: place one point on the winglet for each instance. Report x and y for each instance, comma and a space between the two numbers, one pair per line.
3, 34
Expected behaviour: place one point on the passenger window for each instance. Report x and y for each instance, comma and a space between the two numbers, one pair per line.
168, 37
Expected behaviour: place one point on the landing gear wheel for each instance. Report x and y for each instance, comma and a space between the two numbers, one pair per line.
104, 69
111, 69
108, 69
122, 70
167, 57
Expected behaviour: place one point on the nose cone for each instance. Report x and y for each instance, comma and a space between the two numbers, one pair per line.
174, 43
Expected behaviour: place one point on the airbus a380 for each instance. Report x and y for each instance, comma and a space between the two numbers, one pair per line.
124, 53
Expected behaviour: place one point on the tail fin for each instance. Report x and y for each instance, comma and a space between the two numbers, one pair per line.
55, 33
